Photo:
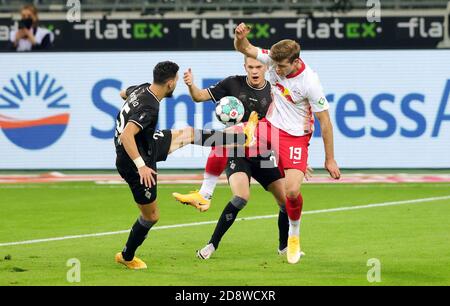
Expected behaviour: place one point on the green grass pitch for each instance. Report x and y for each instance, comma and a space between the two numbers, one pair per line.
411, 241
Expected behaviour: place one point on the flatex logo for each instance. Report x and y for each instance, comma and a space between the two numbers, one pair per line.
98, 29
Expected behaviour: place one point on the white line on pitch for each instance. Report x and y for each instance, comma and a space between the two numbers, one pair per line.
311, 212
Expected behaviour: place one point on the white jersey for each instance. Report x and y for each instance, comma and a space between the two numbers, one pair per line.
295, 98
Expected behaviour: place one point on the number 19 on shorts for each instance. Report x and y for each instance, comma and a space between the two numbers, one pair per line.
295, 153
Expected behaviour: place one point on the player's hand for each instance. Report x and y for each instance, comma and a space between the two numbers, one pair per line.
188, 77
147, 176
333, 169
309, 172
242, 30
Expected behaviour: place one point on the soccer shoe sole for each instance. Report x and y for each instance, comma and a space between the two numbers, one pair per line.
192, 202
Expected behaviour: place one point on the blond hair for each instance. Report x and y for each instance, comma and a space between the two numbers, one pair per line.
285, 49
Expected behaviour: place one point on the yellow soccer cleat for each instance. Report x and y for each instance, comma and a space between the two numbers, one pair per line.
250, 129
135, 264
293, 250
194, 198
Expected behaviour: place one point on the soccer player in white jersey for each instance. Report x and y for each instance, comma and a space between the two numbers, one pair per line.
297, 96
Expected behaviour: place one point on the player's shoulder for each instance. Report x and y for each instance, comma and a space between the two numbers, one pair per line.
307, 75
236, 79
142, 86
145, 99
233, 81
311, 76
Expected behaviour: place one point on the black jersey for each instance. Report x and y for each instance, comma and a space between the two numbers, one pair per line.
141, 107
254, 99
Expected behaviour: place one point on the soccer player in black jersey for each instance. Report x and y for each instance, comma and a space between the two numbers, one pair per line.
139, 147
255, 93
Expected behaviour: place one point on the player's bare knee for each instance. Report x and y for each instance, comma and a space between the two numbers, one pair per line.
152, 216
292, 193
242, 194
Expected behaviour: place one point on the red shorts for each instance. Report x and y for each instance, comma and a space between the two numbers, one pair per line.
291, 151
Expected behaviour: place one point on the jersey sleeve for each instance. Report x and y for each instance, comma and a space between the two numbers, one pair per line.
143, 117
264, 56
221, 89
315, 95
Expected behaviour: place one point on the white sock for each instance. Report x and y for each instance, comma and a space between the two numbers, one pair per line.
209, 184
294, 228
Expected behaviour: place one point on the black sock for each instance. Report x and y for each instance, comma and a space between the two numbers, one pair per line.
225, 221
137, 236
283, 229
213, 138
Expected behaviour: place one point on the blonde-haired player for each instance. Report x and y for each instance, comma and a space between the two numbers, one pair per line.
297, 96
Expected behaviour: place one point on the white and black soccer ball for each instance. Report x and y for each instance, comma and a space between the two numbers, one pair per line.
230, 110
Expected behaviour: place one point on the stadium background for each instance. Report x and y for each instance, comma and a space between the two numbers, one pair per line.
389, 108
387, 81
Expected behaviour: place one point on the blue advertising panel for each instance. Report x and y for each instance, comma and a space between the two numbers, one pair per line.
390, 109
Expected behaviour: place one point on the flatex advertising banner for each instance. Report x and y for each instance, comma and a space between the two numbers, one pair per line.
340, 33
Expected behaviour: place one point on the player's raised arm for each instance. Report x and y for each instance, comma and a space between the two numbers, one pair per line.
129, 144
197, 94
241, 42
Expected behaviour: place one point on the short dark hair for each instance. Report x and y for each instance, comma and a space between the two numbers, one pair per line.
164, 71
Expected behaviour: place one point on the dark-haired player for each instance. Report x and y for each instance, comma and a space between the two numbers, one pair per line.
139, 146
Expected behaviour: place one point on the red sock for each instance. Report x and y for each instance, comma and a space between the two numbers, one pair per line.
294, 207
217, 161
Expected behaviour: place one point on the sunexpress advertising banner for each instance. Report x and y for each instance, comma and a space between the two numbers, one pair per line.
339, 33
58, 110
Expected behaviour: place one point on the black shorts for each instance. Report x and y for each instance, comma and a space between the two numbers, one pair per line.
128, 171
262, 169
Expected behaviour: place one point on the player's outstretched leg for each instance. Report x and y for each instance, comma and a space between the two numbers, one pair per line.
212, 138
215, 165
149, 216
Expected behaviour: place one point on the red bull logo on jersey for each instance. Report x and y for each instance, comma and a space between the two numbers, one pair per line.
285, 92
38, 97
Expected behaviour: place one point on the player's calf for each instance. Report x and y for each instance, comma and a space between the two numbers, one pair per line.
227, 218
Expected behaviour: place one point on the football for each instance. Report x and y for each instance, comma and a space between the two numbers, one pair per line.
230, 110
